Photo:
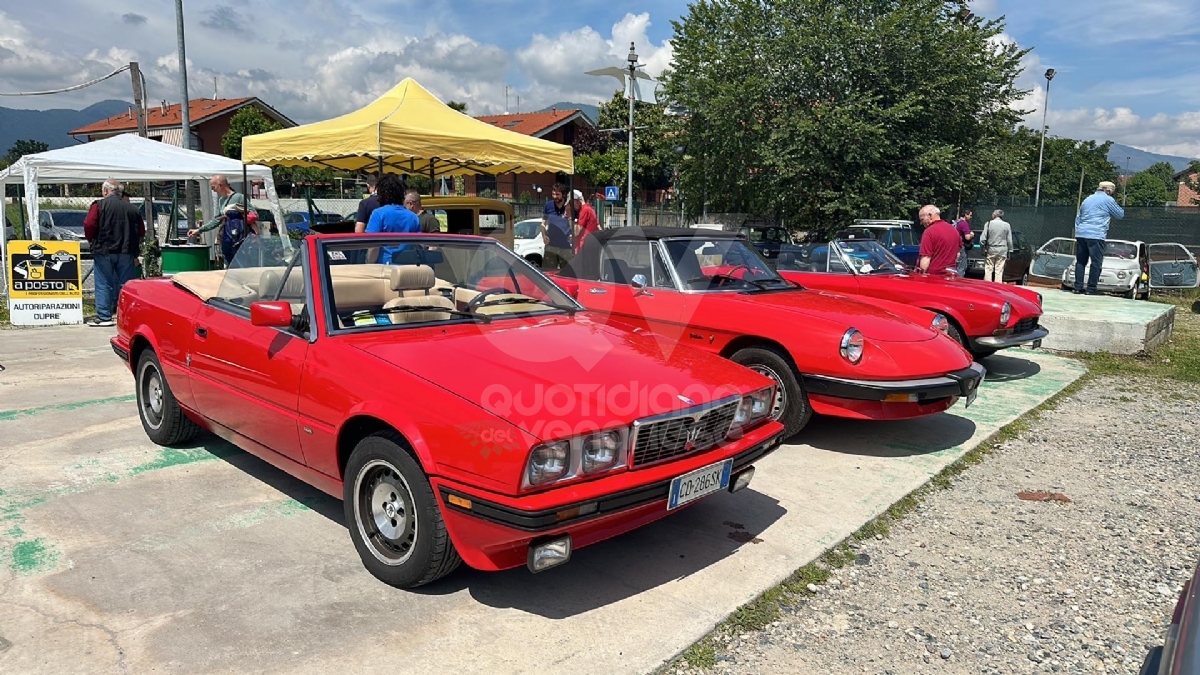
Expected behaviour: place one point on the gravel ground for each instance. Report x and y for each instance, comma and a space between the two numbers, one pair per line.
979, 581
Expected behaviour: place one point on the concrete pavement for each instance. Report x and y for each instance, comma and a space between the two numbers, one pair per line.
117, 555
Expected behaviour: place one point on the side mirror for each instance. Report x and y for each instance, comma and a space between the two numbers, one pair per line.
271, 314
638, 282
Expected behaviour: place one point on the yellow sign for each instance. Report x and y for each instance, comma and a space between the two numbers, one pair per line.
44, 286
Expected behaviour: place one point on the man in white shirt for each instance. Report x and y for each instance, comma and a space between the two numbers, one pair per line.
996, 241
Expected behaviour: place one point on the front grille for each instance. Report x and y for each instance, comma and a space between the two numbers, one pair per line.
1025, 325
682, 434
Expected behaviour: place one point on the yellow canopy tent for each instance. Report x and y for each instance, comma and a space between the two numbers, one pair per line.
407, 130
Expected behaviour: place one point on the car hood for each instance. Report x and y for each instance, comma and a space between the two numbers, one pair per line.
875, 323
553, 376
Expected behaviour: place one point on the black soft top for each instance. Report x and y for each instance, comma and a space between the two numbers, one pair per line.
586, 265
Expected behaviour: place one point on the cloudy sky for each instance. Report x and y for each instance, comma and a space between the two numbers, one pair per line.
1125, 68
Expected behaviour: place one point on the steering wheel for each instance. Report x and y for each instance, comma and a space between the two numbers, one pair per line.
478, 300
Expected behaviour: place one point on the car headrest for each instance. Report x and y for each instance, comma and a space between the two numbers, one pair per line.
412, 278
269, 282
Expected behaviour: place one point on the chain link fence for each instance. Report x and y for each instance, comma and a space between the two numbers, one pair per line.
1153, 225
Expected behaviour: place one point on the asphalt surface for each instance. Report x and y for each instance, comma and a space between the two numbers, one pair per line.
117, 555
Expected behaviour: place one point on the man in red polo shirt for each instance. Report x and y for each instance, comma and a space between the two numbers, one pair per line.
586, 223
940, 242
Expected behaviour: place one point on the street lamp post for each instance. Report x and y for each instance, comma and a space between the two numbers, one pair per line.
1045, 106
632, 58
1125, 187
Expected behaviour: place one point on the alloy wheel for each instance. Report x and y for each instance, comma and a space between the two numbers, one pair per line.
385, 513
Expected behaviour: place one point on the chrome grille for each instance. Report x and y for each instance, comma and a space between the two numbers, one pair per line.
678, 434
1025, 325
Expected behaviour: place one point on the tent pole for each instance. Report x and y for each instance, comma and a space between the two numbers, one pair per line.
431, 192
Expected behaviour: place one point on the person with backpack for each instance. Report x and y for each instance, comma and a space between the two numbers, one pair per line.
230, 217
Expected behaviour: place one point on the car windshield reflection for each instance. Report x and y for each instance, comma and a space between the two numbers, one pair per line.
866, 256
721, 264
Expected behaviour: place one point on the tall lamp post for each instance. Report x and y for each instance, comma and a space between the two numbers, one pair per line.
1045, 106
632, 59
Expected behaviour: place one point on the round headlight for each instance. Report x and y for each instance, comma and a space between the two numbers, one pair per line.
852, 345
1005, 314
1121, 274
940, 323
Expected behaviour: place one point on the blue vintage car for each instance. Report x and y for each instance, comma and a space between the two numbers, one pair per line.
898, 236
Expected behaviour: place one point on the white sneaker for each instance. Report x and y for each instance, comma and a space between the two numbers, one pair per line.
98, 323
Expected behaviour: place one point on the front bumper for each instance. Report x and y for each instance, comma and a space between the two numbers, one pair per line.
1002, 341
958, 383
493, 536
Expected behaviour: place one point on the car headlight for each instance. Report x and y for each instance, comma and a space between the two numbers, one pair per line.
754, 406
1039, 299
852, 345
1121, 274
601, 451
549, 462
1005, 314
940, 324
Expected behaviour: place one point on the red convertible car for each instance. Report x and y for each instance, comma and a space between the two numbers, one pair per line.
984, 316
830, 354
456, 420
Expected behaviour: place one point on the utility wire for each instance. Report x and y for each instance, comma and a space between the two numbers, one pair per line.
78, 86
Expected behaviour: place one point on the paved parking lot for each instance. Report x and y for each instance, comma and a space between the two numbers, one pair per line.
117, 555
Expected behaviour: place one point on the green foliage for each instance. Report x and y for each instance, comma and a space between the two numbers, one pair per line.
22, 148
1145, 189
604, 168
1165, 173
247, 122
457, 105
605, 161
1062, 163
821, 112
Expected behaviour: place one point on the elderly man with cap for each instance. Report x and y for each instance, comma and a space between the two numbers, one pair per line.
586, 222
1091, 229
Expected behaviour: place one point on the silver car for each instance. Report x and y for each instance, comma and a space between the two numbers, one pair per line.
1131, 268
64, 225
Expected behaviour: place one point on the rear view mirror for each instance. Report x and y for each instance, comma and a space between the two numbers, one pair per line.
271, 314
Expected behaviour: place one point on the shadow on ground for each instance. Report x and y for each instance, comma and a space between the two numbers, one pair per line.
900, 438
1006, 367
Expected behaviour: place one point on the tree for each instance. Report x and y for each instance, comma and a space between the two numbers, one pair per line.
1063, 161
1145, 189
246, 122
1165, 173
457, 105
604, 159
22, 148
820, 112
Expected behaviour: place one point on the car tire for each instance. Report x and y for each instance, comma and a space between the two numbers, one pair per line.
1024, 279
393, 515
161, 416
535, 260
794, 410
957, 335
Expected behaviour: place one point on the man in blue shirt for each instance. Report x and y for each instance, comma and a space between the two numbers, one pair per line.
391, 216
556, 229
1091, 229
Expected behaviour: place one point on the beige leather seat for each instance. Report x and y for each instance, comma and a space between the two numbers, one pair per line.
413, 282
293, 289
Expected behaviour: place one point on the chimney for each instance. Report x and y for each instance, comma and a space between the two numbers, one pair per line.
164, 107
130, 112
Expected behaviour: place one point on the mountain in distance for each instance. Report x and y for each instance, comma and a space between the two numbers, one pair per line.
52, 127
1140, 160
591, 111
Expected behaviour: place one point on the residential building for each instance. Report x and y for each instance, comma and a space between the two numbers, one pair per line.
1187, 196
209, 118
558, 126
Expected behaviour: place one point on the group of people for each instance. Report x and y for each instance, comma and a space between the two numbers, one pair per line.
944, 246
566, 224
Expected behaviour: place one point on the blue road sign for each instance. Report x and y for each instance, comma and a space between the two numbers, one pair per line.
612, 193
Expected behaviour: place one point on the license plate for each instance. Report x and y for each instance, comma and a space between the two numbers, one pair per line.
1036, 344
692, 486
971, 397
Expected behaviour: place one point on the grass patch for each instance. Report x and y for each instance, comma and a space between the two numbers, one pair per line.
791, 592
1176, 359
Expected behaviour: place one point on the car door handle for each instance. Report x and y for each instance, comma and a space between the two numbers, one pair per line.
597, 291
202, 332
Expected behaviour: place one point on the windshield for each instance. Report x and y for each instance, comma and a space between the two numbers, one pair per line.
720, 264
867, 256
399, 282
70, 220
1120, 249
528, 229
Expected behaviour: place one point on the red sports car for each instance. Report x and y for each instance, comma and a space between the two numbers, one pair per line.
984, 316
830, 354
457, 421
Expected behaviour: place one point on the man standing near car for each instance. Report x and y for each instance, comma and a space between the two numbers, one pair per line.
963, 225
226, 199
115, 242
429, 222
996, 242
940, 242
367, 206
556, 229
587, 222
1091, 229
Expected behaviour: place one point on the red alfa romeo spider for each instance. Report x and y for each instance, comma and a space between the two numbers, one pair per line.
830, 354
456, 420
984, 316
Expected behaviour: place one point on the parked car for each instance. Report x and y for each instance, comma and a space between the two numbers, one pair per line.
829, 353
1131, 268
1179, 654
898, 236
418, 399
302, 220
528, 242
984, 317
1016, 268
458, 215
766, 239
64, 225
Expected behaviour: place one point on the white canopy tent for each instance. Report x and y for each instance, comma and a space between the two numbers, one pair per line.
129, 158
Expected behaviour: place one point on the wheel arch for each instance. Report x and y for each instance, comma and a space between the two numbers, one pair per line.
361, 425
743, 341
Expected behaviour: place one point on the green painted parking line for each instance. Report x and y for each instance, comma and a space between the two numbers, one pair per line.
8, 415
